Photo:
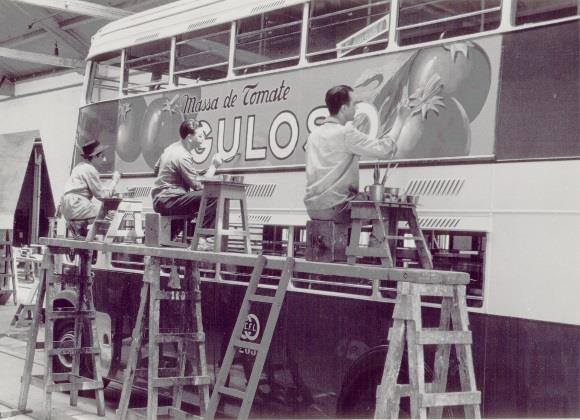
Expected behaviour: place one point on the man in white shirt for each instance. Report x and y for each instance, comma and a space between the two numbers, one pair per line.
333, 153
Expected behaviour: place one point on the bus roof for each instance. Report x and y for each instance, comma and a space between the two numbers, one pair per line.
175, 18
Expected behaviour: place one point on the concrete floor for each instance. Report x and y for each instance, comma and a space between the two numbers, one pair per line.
12, 356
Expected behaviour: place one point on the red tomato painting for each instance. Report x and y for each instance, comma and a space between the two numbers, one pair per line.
160, 128
130, 116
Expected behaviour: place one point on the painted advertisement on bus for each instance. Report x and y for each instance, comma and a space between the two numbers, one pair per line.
264, 121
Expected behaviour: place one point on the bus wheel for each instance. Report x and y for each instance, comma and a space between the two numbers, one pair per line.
63, 337
358, 399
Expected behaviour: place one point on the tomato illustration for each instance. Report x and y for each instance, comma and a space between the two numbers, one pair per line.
464, 70
130, 115
443, 133
160, 128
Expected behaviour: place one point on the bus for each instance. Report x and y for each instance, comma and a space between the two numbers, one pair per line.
492, 151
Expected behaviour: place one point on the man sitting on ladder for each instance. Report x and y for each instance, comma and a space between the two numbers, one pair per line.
178, 188
83, 184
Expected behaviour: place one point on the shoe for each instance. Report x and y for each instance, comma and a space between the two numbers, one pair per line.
205, 244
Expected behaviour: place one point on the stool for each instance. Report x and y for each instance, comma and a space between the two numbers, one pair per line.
223, 192
384, 219
101, 224
159, 230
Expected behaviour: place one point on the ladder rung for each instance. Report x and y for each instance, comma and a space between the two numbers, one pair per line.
162, 411
175, 338
406, 238
75, 382
433, 336
236, 393
262, 298
180, 381
247, 345
445, 399
70, 314
225, 232
81, 350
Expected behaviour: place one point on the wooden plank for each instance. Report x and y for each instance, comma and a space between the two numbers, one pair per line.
153, 272
441, 362
136, 338
39, 58
445, 399
181, 381
81, 7
460, 322
388, 400
432, 336
273, 262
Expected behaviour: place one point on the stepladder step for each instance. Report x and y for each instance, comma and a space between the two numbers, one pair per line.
446, 399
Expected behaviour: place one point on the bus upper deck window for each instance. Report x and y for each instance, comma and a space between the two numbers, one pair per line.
202, 55
430, 20
147, 67
528, 11
105, 77
347, 27
268, 41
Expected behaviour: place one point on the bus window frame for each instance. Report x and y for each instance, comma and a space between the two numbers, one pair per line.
354, 47
507, 24
160, 84
224, 29
243, 69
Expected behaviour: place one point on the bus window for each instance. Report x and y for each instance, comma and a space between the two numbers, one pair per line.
268, 41
202, 55
147, 67
529, 11
429, 20
346, 27
105, 77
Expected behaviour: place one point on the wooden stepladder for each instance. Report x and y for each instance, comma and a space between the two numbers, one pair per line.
7, 271
428, 399
83, 314
188, 336
223, 193
384, 219
253, 295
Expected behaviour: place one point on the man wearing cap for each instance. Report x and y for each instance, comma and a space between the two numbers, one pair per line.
178, 187
83, 184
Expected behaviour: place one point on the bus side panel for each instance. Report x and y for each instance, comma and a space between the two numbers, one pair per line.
532, 368
540, 93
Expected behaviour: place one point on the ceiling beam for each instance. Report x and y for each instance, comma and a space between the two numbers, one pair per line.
80, 7
37, 58
74, 22
47, 22
6, 86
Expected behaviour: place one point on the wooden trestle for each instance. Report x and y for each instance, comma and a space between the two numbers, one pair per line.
412, 283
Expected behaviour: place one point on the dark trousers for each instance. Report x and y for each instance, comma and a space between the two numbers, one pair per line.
78, 229
185, 205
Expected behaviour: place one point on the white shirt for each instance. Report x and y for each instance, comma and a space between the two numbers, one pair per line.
333, 153
83, 184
